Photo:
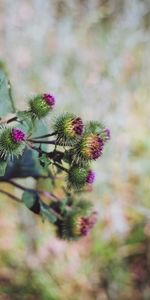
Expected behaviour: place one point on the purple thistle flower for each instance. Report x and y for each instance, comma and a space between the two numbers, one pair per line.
87, 223
49, 99
90, 177
92, 146
78, 126
96, 147
17, 135
106, 132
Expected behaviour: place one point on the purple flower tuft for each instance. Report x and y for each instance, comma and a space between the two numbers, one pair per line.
97, 148
90, 177
107, 133
87, 223
78, 126
49, 99
18, 135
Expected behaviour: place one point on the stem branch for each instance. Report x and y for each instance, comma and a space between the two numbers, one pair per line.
10, 195
44, 193
45, 136
42, 142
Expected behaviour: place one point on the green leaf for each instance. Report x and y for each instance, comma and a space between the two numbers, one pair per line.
3, 165
29, 198
27, 124
63, 204
82, 205
32, 200
32, 126
48, 213
44, 160
40, 128
6, 101
25, 166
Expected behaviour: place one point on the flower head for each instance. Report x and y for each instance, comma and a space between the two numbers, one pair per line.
79, 176
41, 105
90, 177
76, 225
49, 99
91, 146
77, 126
98, 129
68, 127
106, 134
11, 142
85, 224
17, 135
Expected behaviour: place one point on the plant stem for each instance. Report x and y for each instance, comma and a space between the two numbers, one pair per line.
45, 193
56, 214
44, 136
12, 120
42, 142
50, 154
10, 195
39, 150
60, 167
19, 186
18, 200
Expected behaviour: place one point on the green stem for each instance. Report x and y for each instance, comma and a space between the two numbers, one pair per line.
60, 167
10, 96
56, 214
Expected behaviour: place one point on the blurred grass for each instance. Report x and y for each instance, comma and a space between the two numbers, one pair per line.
94, 56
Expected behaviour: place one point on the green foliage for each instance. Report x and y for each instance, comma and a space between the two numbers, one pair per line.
26, 166
25, 121
136, 235
94, 127
31, 200
6, 101
47, 213
3, 165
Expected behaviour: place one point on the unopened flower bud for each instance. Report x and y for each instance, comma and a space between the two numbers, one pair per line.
41, 105
79, 176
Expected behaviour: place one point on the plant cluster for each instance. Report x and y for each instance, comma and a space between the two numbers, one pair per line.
29, 149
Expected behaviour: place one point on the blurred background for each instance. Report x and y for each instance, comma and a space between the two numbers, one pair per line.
93, 55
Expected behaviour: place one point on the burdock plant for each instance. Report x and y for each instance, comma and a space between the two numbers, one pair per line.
67, 147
